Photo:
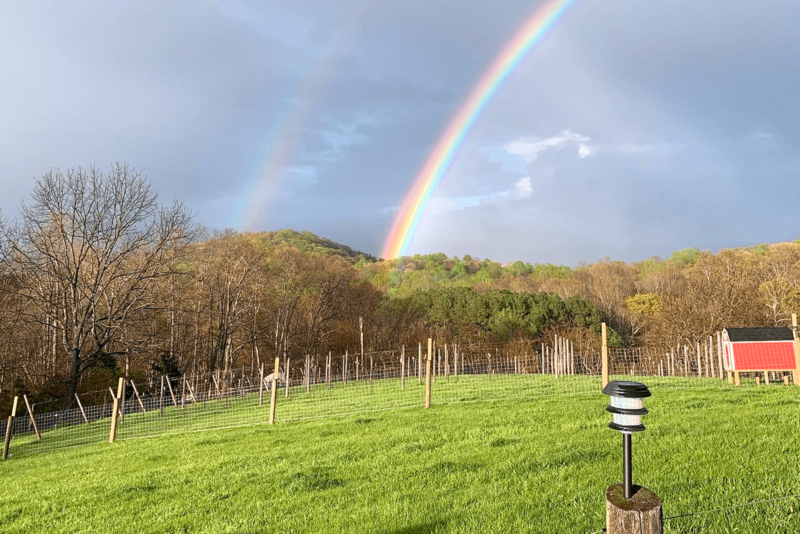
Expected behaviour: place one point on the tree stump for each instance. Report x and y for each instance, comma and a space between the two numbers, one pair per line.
641, 514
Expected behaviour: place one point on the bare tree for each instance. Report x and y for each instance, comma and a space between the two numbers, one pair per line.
87, 252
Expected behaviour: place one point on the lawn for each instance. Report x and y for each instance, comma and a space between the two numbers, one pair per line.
534, 455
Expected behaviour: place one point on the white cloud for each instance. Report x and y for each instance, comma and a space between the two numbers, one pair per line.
584, 151
442, 205
528, 148
524, 188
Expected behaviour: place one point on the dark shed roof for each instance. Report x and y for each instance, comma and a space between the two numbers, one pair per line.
760, 334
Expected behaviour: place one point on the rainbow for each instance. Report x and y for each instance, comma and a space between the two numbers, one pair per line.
430, 174
251, 207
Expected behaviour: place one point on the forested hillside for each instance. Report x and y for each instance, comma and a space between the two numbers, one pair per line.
97, 279
308, 242
681, 299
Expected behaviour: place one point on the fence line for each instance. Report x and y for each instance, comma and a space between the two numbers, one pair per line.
329, 385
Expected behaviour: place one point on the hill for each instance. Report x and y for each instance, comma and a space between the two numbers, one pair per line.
308, 242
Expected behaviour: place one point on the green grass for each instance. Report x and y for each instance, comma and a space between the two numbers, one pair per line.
537, 457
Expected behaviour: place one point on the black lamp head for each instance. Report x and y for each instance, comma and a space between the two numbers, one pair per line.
627, 405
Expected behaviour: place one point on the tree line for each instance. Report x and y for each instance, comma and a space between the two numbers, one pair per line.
679, 300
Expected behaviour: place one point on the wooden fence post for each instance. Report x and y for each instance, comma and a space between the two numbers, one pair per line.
403, 367
122, 397
669, 362
33, 419
641, 514
419, 365
261, 385
288, 367
685, 361
189, 387
9, 427
81, 408
605, 353
274, 393
543, 358
344, 369
328, 367
455, 361
161, 397
434, 365
555, 356
796, 373
183, 392
172, 393
710, 359
112, 434
437, 361
571, 351
138, 398
361, 333
428, 375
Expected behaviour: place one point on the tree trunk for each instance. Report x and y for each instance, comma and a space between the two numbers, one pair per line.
74, 377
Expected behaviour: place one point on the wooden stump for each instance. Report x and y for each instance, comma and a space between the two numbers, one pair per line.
641, 514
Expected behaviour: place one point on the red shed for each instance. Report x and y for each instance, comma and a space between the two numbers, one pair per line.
758, 350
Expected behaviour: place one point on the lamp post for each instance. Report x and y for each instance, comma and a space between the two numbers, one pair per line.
627, 408
626, 512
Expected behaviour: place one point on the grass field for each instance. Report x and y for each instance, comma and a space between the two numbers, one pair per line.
535, 458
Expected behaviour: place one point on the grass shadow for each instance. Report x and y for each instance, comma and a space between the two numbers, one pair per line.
424, 528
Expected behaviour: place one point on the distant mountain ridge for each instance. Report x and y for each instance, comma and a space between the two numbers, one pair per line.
312, 243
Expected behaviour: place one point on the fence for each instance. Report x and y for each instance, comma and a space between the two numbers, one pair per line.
331, 385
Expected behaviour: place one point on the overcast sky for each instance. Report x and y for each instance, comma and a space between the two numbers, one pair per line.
634, 128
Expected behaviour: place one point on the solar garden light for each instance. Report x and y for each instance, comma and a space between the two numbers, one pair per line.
626, 511
627, 407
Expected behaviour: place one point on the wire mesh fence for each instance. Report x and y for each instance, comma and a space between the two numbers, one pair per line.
332, 385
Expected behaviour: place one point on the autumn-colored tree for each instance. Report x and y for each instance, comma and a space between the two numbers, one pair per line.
85, 255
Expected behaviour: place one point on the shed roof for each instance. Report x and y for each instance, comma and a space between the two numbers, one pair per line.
760, 334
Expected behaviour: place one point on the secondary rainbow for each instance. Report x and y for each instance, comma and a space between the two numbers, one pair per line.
430, 174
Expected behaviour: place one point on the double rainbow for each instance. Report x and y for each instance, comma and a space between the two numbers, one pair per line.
430, 174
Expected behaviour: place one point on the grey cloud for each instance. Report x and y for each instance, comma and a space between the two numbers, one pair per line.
689, 108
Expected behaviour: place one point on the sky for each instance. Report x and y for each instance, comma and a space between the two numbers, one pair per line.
633, 129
